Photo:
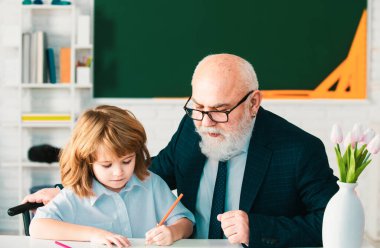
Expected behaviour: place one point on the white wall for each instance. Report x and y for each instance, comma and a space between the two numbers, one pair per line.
161, 117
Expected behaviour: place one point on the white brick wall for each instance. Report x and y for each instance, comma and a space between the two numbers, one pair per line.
161, 117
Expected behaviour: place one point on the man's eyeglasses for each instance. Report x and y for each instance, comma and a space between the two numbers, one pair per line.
214, 115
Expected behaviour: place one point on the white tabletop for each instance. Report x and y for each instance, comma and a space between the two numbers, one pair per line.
27, 242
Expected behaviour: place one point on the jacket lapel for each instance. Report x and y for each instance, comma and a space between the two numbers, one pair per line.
258, 160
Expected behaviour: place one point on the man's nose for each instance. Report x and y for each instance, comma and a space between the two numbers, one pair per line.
207, 122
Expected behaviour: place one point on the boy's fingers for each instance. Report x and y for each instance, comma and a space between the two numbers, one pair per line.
149, 236
123, 241
117, 240
159, 237
108, 243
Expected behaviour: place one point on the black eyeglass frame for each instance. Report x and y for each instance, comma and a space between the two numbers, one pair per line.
227, 112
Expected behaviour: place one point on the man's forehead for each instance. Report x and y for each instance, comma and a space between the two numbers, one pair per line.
211, 103
213, 92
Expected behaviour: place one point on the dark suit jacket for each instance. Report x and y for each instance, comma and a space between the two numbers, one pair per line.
286, 186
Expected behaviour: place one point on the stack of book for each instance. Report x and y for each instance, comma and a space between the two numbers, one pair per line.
38, 61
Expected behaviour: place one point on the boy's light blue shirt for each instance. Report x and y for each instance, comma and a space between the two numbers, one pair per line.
136, 209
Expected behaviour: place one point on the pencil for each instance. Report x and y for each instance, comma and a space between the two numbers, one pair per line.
63, 245
170, 210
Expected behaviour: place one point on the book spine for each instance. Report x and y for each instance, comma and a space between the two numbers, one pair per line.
41, 71
51, 65
26, 43
33, 58
65, 65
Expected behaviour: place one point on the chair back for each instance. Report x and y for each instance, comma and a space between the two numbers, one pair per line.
24, 209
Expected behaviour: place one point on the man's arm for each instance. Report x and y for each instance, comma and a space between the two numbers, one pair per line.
42, 196
316, 184
164, 163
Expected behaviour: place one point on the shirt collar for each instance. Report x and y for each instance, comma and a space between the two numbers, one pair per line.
99, 190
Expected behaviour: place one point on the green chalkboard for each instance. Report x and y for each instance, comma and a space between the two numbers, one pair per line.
149, 48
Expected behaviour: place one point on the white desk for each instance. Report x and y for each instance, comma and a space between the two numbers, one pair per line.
27, 242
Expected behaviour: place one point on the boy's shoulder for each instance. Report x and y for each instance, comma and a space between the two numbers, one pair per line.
67, 193
153, 179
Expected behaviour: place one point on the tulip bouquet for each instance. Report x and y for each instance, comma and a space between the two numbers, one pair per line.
359, 145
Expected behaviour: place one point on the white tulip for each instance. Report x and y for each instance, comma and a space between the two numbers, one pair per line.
368, 135
374, 145
336, 136
347, 140
357, 133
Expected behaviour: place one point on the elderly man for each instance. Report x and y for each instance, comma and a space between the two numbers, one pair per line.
246, 173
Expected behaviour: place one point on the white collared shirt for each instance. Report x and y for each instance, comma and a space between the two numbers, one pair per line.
136, 209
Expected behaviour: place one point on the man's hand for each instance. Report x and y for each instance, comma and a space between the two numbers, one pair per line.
161, 235
42, 196
235, 225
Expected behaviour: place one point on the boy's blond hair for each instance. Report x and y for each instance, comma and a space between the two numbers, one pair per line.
117, 130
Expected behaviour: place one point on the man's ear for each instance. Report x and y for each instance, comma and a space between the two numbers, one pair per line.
255, 102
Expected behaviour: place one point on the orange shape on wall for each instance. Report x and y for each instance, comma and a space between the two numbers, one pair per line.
347, 81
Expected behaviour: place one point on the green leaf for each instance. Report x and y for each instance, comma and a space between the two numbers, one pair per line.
360, 169
341, 166
367, 157
345, 159
351, 169
361, 159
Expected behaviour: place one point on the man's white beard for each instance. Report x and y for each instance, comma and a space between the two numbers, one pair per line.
232, 144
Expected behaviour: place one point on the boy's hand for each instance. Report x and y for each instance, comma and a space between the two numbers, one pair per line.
161, 235
108, 238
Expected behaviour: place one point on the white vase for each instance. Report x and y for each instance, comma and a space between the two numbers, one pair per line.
343, 221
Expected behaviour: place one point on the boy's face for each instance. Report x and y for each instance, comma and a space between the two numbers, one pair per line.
113, 172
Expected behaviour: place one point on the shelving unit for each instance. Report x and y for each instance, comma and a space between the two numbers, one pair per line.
59, 23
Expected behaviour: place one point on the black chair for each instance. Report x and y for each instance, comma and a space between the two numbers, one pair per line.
24, 209
39, 153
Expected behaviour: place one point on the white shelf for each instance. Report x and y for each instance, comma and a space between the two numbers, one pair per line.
46, 86
84, 47
83, 86
36, 124
52, 86
47, 7
39, 165
30, 165
59, 24
46, 125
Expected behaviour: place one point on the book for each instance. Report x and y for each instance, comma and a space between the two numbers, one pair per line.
45, 117
26, 43
51, 65
41, 58
33, 58
64, 59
